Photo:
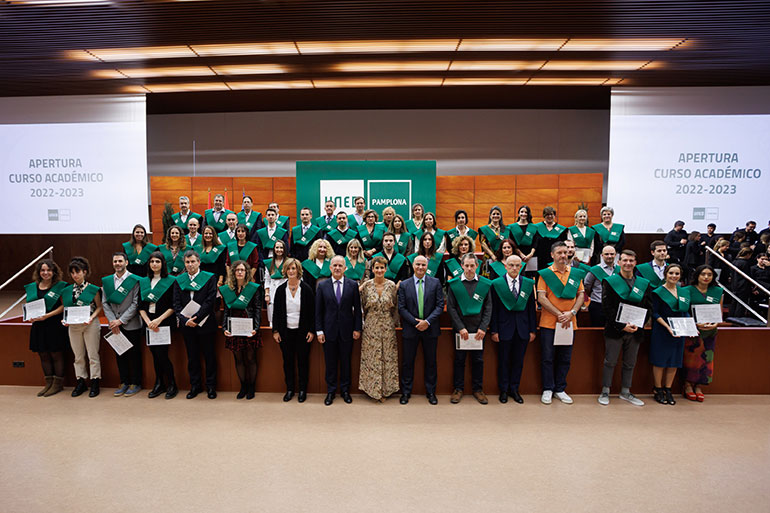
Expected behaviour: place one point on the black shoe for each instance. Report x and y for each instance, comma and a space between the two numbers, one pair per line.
194, 392
404, 399
94, 388
329, 399
242, 393
432, 399
288, 395
156, 390
503, 397
517, 396
669, 397
660, 395
346, 397
80, 387
211, 393
302, 396
250, 391
171, 391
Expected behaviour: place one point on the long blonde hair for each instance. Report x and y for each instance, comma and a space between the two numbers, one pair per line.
313, 253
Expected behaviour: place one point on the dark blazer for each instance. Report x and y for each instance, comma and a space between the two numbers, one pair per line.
610, 304
165, 302
338, 321
509, 325
306, 309
433, 305
205, 297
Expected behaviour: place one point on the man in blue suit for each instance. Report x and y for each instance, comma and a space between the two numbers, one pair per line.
338, 324
420, 303
513, 325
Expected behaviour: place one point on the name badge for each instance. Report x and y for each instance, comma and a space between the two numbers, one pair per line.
137, 261
151, 296
215, 250
522, 294
303, 239
476, 297
635, 290
683, 300
613, 233
193, 284
121, 289
501, 237
429, 272
241, 298
710, 299
272, 238
571, 281
50, 294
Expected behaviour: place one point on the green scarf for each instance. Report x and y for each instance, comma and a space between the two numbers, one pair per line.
141, 258
277, 274
498, 267
438, 236
681, 303
582, 241
303, 240
511, 303
198, 242
494, 239
218, 226
50, 297
173, 265
649, 274
282, 221
185, 284
454, 268
153, 294
267, 241
341, 239
712, 297
373, 239
522, 235
394, 266
470, 305
252, 218
224, 237
315, 271
320, 221
411, 226
562, 291
357, 273
239, 301
600, 273
621, 288
183, 225
402, 242
116, 296
553, 233
240, 254
85, 298
211, 256
453, 234
611, 236
433, 263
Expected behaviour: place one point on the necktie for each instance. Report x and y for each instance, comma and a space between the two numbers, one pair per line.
304, 229
420, 299
513, 288
339, 291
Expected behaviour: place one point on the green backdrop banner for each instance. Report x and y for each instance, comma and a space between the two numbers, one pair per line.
395, 183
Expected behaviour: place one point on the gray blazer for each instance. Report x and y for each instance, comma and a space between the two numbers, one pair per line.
127, 311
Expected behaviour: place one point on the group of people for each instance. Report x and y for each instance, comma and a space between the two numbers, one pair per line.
338, 279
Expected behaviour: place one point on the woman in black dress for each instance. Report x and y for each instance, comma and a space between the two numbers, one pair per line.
48, 336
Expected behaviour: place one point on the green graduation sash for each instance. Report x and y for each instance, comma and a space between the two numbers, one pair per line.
185, 284
49, 297
283, 222
470, 305
433, 263
239, 301
580, 240
649, 274
438, 236
511, 303
85, 298
522, 235
315, 271
712, 297
357, 273
498, 267
610, 236
635, 294
568, 291
153, 294
454, 268
267, 241
183, 225
198, 242
493, 239
218, 226
277, 275
681, 303
411, 226
353, 223
599, 272
453, 234
370, 241
553, 233
402, 242
252, 218
116, 296
394, 266
141, 258
303, 240
320, 221
173, 265
224, 237
243, 253
340, 238
211, 256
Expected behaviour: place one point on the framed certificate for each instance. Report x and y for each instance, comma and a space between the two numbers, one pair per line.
162, 337
707, 314
683, 326
33, 309
77, 314
630, 314
240, 326
118, 342
470, 344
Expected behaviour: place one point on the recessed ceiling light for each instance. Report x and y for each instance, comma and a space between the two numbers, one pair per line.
391, 66
272, 84
510, 45
270, 48
186, 87
484, 81
250, 69
494, 65
592, 65
378, 46
377, 82
621, 45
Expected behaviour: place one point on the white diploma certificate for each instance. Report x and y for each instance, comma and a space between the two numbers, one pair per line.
470, 344
240, 326
33, 309
583, 254
162, 337
563, 336
531, 264
118, 342
630, 314
191, 309
707, 314
683, 326
77, 314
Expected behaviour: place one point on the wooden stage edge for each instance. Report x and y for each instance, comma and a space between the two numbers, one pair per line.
742, 357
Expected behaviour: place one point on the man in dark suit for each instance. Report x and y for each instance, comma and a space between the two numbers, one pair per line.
420, 322
676, 240
513, 325
197, 329
338, 324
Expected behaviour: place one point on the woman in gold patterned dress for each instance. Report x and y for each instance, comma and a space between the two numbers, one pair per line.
379, 350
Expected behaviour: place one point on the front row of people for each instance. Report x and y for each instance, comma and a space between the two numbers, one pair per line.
340, 312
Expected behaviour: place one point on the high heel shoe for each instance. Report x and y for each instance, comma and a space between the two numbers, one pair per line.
660, 395
700, 397
669, 397
690, 396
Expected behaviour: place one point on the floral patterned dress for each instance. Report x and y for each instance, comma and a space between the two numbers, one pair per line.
379, 349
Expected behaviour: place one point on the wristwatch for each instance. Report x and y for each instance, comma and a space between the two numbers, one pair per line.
574, 313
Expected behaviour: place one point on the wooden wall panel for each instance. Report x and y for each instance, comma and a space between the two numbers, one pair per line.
284, 183
494, 182
566, 212
537, 181
495, 196
581, 195
530, 196
452, 196
454, 182
170, 183
581, 181
447, 210
284, 197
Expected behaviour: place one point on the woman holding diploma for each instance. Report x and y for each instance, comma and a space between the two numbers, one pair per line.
243, 249
699, 351
668, 300
273, 275
522, 232
355, 263
84, 337
242, 301
427, 248
173, 250
370, 234
583, 237
156, 308
316, 267
213, 254
138, 251
48, 337
492, 234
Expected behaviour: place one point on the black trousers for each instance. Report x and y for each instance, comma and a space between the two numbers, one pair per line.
510, 361
164, 369
407, 366
296, 353
130, 362
198, 341
597, 314
477, 368
337, 354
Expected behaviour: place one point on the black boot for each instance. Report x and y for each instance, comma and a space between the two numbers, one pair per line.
157, 389
80, 387
172, 390
243, 392
250, 390
94, 387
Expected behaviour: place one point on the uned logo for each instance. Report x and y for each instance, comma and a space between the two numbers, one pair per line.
342, 193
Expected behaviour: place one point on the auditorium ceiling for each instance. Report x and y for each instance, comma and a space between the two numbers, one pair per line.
215, 55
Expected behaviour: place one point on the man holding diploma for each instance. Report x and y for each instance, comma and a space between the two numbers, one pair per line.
618, 292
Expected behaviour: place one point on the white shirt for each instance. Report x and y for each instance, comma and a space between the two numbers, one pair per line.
193, 239
293, 307
154, 281
305, 228
119, 280
184, 217
231, 234
464, 278
513, 284
659, 270
192, 279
